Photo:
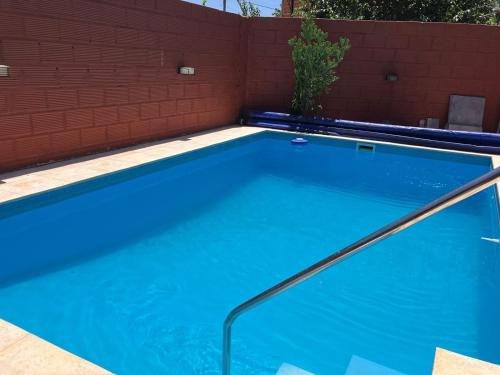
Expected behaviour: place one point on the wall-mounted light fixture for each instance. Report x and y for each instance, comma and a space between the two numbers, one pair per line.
392, 77
186, 70
4, 71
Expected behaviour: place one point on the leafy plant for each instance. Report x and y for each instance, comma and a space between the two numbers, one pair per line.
277, 12
204, 3
315, 59
248, 9
464, 11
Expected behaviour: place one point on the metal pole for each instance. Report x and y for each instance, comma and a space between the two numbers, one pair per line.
407, 221
224, 5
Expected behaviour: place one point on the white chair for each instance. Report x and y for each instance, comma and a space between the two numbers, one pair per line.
466, 113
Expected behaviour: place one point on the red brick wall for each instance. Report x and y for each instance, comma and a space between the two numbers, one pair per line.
89, 75
433, 61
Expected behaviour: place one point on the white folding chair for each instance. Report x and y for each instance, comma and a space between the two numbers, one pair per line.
466, 113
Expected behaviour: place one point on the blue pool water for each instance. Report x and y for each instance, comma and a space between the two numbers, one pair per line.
136, 271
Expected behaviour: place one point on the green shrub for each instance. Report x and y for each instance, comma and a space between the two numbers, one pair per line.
248, 9
462, 11
315, 59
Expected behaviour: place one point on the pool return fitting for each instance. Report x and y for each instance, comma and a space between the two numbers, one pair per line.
299, 141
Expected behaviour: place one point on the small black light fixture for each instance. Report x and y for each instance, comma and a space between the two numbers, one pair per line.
392, 77
186, 70
4, 70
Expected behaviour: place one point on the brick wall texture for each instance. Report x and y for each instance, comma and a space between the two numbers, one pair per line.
88, 75
432, 60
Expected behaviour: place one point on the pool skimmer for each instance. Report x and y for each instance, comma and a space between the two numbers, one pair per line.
365, 147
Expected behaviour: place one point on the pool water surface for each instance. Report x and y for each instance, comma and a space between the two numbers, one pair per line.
137, 271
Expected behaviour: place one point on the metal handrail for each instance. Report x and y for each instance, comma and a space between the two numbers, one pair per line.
414, 217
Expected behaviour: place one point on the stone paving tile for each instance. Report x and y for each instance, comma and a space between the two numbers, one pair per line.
449, 363
23, 353
9, 334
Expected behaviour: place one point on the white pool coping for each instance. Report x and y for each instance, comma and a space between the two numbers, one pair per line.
22, 352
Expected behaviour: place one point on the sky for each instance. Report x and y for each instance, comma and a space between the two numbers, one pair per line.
266, 6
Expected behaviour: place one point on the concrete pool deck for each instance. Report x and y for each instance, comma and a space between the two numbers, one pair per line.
22, 352
449, 363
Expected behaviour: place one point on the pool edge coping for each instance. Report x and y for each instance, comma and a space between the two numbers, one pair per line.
450, 363
22, 352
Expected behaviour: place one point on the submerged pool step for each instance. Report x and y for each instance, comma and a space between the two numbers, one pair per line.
362, 366
288, 369
357, 366
492, 240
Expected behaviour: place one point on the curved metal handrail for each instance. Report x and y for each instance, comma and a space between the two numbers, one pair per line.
414, 217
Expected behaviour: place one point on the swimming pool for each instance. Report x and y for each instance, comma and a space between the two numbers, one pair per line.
136, 271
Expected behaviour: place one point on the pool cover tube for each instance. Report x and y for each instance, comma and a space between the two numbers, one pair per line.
485, 143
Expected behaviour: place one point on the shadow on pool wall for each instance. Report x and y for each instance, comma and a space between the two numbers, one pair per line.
95, 217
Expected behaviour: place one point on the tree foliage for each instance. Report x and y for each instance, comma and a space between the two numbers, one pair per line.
465, 11
315, 59
248, 9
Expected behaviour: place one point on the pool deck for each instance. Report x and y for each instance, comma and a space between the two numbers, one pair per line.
449, 363
22, 352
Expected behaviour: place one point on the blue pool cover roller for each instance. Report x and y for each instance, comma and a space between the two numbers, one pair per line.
486, 143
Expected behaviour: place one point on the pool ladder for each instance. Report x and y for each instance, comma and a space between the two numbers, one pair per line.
407, 221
